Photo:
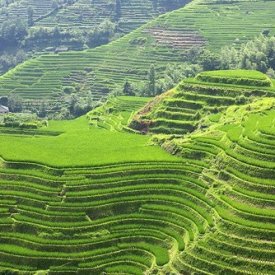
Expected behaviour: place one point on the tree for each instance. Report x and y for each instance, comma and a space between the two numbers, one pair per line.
152, 80
155, 4
42, 112
101, 34
270, 72
128, 89
12, 33
90, 102
209, 61
229, 58
72, 103
173, 74
30, 16
56, 32
4, 100
118, 9
15, 103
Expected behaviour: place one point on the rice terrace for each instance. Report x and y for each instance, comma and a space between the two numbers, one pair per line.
137, 137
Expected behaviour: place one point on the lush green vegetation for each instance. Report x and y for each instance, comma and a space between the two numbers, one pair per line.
180, 183
181, 110
28, 121
86, 196
79, 143
238, 77
28, 27
239, 146
116, 113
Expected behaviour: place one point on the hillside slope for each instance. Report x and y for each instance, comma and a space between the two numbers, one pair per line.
97, 201
164, 40
239, 149
81, 14
86, 14
182, 109
75, 18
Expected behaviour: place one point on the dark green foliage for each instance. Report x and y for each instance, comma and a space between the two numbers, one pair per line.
152, 81
12, 33
209, 61
4, 100
9, 272
30, 16
257, 54
78, 105
101, 34
11, 60
42, 112
175, 73
117, 9
68, 89
15, 103
22, 121
128, 89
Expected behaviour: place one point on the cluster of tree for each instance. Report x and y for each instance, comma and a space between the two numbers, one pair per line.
257, 54
101, 34
24, 120
8, 61
13, 101
53, 37
161, 81
47, 37
80, 105
168, 5
6, 3
12, 33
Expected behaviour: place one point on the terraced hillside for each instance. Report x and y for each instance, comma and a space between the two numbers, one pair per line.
163, 40
86, 14
240, 150
19, 9
116, 113
107, 218
180, 110
95, 201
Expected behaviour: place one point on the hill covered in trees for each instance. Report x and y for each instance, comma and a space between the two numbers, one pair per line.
168, 48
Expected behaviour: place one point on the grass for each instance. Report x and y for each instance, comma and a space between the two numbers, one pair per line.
81, 145
237, 77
